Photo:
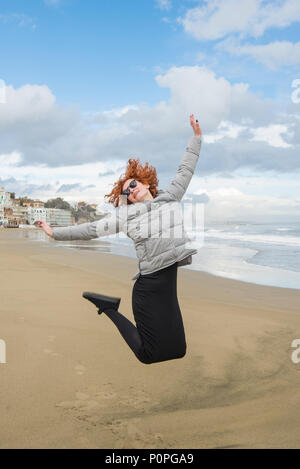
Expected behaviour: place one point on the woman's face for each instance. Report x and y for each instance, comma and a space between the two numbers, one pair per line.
139, 193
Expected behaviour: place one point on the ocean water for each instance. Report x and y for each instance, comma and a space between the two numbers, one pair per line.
265, 254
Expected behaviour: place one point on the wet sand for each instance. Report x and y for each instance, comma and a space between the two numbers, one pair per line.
71, 381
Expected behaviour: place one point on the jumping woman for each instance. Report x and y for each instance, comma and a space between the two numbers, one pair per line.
159, 332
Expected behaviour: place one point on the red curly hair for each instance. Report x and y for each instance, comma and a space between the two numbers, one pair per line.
135, 170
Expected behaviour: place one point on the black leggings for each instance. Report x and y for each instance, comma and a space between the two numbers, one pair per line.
159, 332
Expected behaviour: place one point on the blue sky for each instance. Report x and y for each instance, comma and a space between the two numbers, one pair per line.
91, 83
87, 52
91, 54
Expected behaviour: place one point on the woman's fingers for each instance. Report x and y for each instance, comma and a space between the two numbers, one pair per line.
192, 121
40, 223
195, 125
46, 228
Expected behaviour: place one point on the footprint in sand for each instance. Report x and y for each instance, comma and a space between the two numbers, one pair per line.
105, 394
82, 401
80, 369
83, 408
89, 407
105, 406
137, 399
82, 396
48, 351
128, 434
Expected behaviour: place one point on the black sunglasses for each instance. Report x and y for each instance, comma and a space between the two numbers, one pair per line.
131, 185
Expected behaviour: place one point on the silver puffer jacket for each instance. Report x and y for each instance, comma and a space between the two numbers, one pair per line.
155, 226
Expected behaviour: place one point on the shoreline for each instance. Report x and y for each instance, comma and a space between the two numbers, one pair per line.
256, 273
71, 381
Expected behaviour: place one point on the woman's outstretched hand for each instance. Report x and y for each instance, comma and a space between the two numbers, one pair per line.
46, 228
196, 126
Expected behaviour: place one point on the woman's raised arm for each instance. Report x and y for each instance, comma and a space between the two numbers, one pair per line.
188, 164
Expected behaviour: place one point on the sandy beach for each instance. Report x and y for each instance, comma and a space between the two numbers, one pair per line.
70, 380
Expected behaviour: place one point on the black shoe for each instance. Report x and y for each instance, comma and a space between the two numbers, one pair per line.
102, 302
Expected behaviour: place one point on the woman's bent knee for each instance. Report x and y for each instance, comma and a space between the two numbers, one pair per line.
149, 361
182, 353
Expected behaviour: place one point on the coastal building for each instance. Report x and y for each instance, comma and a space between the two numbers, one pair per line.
31, 211
52, 216
34, 204
8, 212
34, 214
5, 202
59, 217
37, 204
20, 213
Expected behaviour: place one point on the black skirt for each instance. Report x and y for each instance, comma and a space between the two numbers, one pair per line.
158, 317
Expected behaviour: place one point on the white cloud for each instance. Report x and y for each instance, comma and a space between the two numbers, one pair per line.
119, 112
44, 133
219, 18
272, 135
20, 18
225, 129
243, 195
278, 14
273, 55
11, 159
29, 102
234, 202
42, 181
164, 4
